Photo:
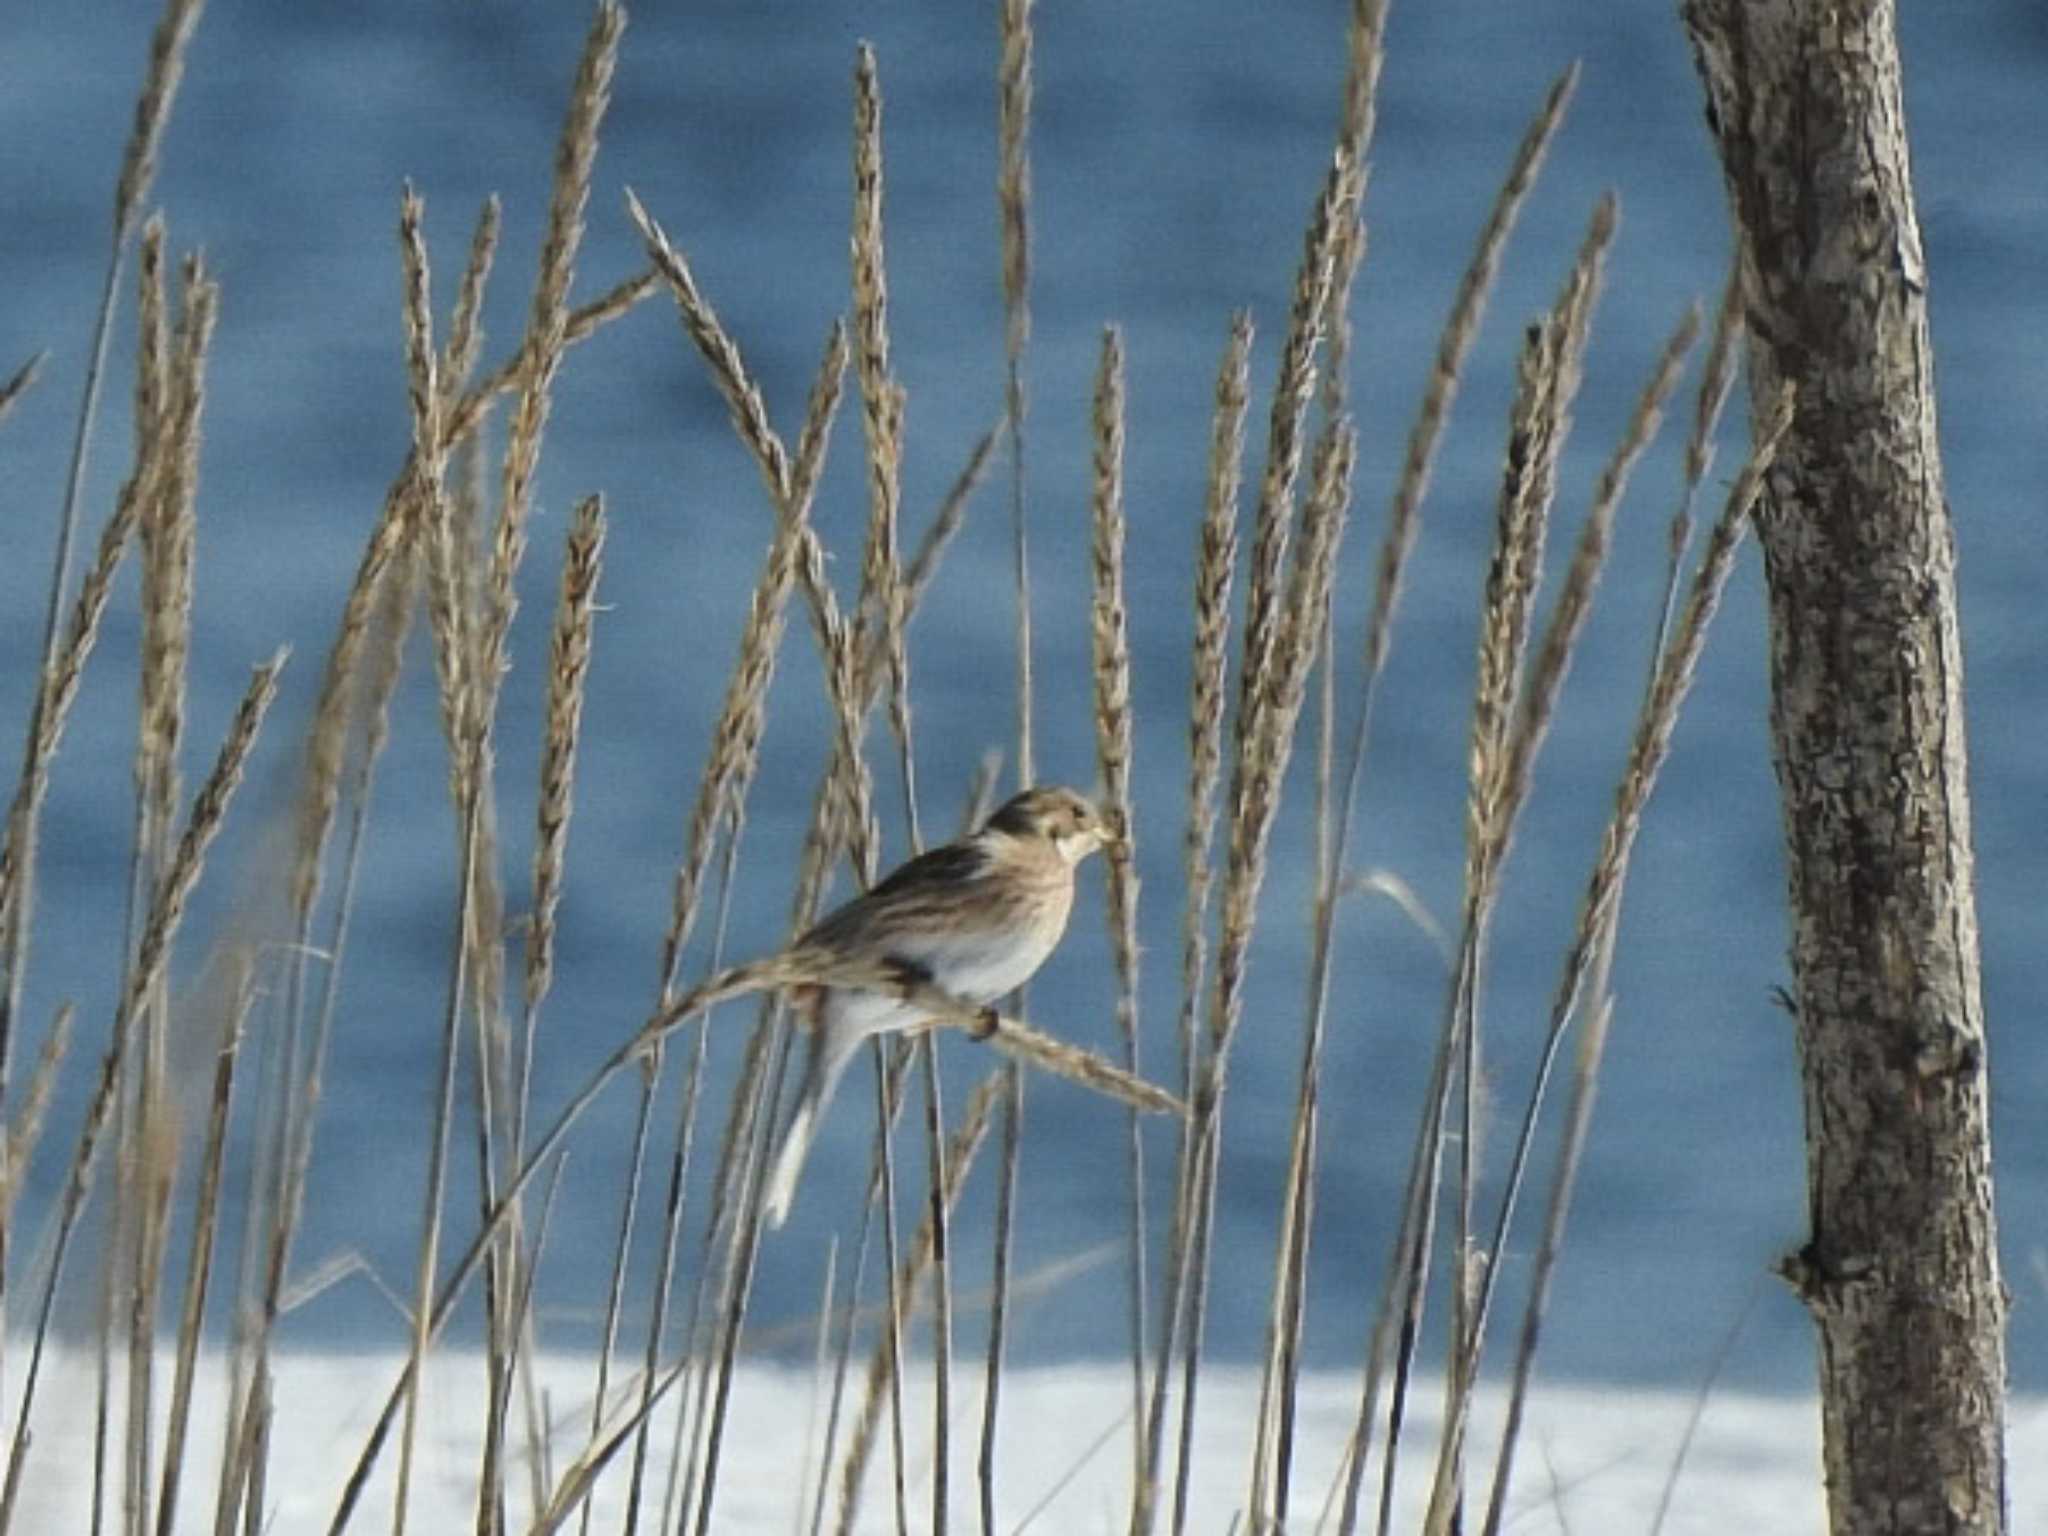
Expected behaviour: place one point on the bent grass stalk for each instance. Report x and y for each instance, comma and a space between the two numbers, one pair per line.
471, 576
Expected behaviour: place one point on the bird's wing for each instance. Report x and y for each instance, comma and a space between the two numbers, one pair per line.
948, 873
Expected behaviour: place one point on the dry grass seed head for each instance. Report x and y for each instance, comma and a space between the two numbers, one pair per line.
465, 325
153, 108
1262, 764
1109, 640
1291, 394
1013, 171
541, 351
923, 564
569, 669
152, 341
166, 523
735, 738
1716, 378
584, 322
1675, 672
19, 382
881, 399
1404, 518
448, 608
1215, 565
728, 369
961, 1150
209, 808
1110, 645
58, 689
327, 739
1548, 382
1589, 558
26, 1133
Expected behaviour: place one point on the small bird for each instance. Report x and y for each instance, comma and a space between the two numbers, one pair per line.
975, 918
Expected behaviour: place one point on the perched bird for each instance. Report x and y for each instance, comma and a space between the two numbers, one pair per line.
975, 917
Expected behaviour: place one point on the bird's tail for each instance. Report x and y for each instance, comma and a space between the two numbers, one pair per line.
831, 1049
789, 1162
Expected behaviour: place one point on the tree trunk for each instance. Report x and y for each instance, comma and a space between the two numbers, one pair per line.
1901, 1270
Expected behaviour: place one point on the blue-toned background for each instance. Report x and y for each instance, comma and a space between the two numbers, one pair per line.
1177, 149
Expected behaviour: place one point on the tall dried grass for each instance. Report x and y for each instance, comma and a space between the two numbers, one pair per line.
450, 539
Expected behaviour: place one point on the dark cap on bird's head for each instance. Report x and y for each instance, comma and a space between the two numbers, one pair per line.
1068, 820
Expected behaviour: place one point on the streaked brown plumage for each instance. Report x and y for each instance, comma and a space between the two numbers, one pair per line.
977, 917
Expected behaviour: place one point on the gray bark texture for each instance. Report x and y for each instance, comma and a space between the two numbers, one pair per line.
1901, 1271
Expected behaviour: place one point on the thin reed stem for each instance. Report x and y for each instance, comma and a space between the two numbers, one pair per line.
1013, 210
1114, 736
167, 46
1285, 602
1215, 567
1599, 912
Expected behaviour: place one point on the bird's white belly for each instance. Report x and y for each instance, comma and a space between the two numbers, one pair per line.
982, 968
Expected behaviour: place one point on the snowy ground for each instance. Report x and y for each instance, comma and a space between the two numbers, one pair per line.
1592, 1459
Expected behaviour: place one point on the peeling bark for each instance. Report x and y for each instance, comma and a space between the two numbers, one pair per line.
1901, 1271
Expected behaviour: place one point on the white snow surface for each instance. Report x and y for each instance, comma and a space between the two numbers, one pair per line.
1591, 1458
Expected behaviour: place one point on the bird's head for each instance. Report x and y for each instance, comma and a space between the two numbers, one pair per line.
1068, 821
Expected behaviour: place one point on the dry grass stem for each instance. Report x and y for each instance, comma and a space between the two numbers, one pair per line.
568, 671
138, 168
1589, 557
546, 328
952, 512
205, 1225
447, 607
915, 1264
736, 736
19, 383
1262, 758
327, 739
465, 324
166, 528
54, 699
1717, 378
152, 344
209, 807
1215, 567
1013, 172
1540, 420
1599, 912
1536, 706
1014, 1038
1291, 394
77, 1185
1365, 51
1111, 651
744, 404
584, 322
728, 369
1013, 216
1674, 680
1468, 308
26, 1133
153, 108
1114, 734
881, 606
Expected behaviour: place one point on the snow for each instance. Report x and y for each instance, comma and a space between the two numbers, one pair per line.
1591, 1458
